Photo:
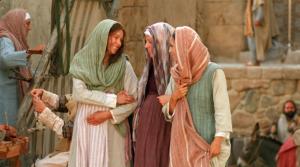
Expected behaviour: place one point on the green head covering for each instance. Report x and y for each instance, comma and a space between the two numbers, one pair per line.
87, 64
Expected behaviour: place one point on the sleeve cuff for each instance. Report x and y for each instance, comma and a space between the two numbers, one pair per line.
22, 57
111, 100
113, 120
226, 135
50, 99
167, 114
51, 121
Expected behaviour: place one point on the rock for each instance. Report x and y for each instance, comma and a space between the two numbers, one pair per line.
296, 98
251, 101
270, 72
234, 98
272, 113
245, 84
242, 120
225, 40
253, 72
233, 71
278, 87
260, 113
265, 101
293, 57
291, 72
290, 86
298, 86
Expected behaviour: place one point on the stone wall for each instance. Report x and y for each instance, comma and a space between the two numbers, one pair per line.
224, 28
135, 15
224, 20
219, 23
257, 94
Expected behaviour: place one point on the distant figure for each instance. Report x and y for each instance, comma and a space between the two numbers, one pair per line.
14, 67
260, 28
287, 120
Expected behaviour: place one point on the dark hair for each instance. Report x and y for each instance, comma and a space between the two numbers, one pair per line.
290, 101
114, 28
173, 35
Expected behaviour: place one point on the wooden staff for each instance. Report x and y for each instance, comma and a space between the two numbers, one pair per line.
289, 25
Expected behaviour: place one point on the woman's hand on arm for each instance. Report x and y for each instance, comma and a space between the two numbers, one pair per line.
99, 117
215, 147
163, 99
180, 92
124, 98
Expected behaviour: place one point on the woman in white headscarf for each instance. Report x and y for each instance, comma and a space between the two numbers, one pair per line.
152, 132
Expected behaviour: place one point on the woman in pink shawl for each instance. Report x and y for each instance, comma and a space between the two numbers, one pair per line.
14, 69
198, 106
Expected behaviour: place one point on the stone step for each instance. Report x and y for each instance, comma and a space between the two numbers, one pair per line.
264, 71
275, 55
292, 57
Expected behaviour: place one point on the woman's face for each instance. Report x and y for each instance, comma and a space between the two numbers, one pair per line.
115, 40
149, 45
172, 51
27, 25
